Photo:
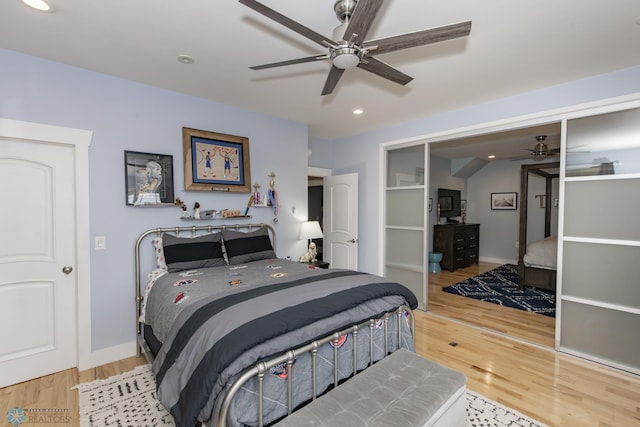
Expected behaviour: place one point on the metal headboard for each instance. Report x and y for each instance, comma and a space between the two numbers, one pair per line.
194, 230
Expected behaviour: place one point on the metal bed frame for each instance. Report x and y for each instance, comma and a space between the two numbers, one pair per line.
287, 357
194, 230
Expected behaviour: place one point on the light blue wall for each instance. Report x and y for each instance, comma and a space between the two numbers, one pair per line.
321, 153
128, 116
360, 153
499, 229
124, 115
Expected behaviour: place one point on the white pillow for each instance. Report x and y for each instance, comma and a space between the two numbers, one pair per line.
161, 264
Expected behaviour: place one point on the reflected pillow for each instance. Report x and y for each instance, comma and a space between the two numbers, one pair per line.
246, 247
190, 253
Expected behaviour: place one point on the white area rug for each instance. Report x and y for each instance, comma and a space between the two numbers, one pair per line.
130, 399
127, 399
484, 412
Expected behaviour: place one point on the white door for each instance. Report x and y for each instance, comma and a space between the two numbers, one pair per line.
340, 243
37, 257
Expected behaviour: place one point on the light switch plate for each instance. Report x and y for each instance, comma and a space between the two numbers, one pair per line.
101, 243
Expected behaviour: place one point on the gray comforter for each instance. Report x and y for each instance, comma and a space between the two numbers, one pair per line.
216, 322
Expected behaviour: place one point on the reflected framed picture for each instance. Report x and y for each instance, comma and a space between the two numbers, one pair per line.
463, 205
504, 201
215, 161
148, 179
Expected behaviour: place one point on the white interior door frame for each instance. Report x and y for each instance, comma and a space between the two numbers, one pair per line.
80, 140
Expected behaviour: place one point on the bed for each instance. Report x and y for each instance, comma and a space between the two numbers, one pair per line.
237, 336
537, 260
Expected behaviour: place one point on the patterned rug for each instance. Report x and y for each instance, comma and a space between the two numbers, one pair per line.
127, 399
500, 286
130, 399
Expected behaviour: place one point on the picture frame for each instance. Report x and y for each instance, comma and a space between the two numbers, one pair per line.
215, 161
504, 201
463, 205
148, 179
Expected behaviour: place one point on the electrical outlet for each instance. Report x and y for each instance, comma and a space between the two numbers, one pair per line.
556, 202
517, 244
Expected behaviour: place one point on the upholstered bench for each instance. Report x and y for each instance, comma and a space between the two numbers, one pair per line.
403, 389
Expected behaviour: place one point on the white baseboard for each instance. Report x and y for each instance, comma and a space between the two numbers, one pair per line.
498, 260
110, 354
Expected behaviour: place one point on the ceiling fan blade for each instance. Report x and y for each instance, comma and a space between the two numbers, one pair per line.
383, 70
288, 22
332, 80
363, 15
419, 38
291, 62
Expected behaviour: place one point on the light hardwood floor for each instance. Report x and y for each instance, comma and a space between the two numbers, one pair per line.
520, 324
557, 389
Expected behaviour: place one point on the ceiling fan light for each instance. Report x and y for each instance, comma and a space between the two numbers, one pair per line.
541, 149
346, 61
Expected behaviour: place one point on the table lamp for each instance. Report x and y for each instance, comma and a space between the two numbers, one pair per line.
310, 230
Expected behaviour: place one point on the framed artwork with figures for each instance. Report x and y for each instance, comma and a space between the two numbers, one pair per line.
215, 161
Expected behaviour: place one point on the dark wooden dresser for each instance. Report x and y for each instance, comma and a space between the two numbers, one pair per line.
458, 244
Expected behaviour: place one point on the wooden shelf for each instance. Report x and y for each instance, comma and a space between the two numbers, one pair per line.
215, 217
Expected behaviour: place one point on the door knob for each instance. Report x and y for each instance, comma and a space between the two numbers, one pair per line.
352, 241
67, 269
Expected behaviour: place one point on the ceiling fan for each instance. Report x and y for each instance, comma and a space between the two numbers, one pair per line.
348, 47
540, 151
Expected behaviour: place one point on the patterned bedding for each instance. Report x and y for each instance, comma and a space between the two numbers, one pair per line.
216, 322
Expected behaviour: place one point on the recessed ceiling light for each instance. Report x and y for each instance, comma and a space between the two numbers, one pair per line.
491, 156
358, 111
40, 5
186, 59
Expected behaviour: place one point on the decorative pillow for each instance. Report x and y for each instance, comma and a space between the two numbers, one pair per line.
157, 246
188, 253
246, 247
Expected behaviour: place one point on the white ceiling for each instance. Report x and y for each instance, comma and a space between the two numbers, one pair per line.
514, 46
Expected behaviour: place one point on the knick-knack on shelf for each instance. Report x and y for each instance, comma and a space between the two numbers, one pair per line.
196, 210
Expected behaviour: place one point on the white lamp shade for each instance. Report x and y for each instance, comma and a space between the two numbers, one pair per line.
310, 230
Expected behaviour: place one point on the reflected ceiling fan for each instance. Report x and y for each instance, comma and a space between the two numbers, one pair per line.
348, 47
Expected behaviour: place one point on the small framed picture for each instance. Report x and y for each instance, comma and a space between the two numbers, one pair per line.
504, 201
463, 205
148, 178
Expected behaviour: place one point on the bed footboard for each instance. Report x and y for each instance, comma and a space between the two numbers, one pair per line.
287, 359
